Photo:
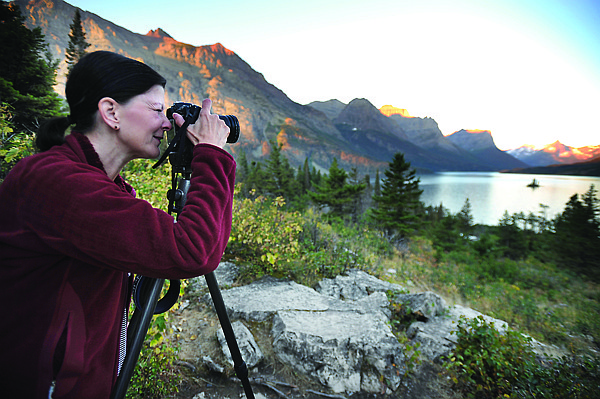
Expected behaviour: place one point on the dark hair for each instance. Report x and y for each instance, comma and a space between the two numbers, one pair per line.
97, 75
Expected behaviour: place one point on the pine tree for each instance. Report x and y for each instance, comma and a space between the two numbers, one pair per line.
304, 177
377, 186
242, 170
77, 44
27, 71
465, 219
335, 192
397, 207
255, 179
357, 208
280, 177
578, 234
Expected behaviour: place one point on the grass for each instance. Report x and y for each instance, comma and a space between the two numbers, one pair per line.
552, 305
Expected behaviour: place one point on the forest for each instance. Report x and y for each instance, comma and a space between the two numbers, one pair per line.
540, 275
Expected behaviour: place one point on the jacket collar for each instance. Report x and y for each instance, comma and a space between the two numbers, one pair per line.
85, 150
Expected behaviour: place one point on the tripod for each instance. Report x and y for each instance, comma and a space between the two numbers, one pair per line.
147, 290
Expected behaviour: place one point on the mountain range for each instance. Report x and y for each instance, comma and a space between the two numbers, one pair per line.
358, 134
554, 154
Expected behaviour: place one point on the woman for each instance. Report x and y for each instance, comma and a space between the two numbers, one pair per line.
72, 232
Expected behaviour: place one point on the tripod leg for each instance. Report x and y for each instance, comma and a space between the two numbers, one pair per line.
140, 322
238, 363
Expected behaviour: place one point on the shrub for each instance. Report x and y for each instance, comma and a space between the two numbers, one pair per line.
487, 363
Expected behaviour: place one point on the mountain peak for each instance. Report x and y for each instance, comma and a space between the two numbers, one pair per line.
331, 108
472, 139
362, 115
557, 147
219, 48
158, 32
389, 110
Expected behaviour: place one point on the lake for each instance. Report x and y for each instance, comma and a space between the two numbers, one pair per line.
492, 193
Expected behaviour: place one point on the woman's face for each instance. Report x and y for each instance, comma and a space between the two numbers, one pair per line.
142, 123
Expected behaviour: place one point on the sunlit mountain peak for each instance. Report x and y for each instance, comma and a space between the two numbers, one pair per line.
388, 110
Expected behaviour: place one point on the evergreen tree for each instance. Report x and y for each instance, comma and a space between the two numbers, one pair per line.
377, 186
304, 177
77, 44
357, 208
578, 234
397, 207
255, 179
367, 194
315, 177
242, 170
27, 71
300, 180
511, 237
465, 219
280, 177
335, 192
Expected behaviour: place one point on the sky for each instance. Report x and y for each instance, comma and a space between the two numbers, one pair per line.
526, 70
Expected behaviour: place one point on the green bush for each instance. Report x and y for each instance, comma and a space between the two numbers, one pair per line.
487, 363
13, 145
155, 374
268, 239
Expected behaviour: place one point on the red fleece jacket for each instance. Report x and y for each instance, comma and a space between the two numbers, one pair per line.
69, 237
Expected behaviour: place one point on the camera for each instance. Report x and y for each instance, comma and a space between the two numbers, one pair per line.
180, 148
190, 112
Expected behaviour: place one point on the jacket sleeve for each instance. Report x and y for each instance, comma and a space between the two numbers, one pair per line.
91, 219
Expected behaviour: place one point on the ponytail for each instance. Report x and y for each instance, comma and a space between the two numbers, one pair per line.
51, 133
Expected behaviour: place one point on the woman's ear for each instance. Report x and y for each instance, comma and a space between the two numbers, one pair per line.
107, 108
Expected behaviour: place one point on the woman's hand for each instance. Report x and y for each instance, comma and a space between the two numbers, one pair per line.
208, 129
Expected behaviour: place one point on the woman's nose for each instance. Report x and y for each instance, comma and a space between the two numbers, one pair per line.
166, 123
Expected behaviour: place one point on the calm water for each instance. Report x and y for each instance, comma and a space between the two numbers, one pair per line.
492, 193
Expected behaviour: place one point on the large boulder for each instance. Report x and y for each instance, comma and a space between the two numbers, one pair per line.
339, 335
344, 345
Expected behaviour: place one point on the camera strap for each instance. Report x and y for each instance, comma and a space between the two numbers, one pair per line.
141, 291
178, 143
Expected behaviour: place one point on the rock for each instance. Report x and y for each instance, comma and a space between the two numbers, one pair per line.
423, 305
251, 353
339, 335
212, 365
344, 345
354, 285
436, 334
261, 299
225, 274
343, 350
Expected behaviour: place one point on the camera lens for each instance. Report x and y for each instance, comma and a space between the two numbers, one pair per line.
234, 127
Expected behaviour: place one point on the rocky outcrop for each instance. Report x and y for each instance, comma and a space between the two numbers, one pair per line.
339, 334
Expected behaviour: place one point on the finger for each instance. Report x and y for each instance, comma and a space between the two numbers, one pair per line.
206, 106
178, 119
